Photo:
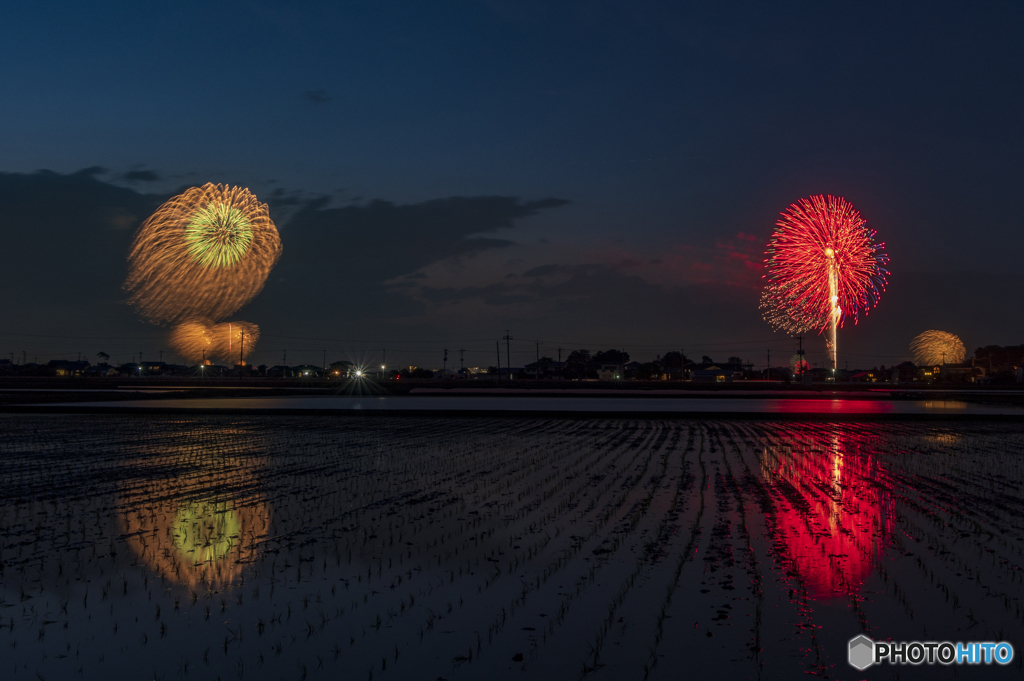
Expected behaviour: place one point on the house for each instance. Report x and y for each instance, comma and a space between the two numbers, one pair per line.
307, 371
609, 372
154, 367
966, 372
904, 372
546, 368
103, 370
711, 374
62, 367
342, 369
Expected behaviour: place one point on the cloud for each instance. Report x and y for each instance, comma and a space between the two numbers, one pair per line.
140, 176
360, 258
316, 97
65, 238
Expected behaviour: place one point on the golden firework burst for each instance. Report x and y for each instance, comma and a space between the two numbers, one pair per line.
937, 347
200, 339
202, 255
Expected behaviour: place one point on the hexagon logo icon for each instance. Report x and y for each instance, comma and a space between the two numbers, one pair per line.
862, 652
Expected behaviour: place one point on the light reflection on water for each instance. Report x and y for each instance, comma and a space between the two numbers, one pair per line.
199, 543
833, 515
200, 519
604, 405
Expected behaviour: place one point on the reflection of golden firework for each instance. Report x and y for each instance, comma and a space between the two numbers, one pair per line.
203, 254
937, 347
200, 542
205, 522
199, 339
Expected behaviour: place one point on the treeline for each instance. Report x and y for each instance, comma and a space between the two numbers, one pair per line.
999, 357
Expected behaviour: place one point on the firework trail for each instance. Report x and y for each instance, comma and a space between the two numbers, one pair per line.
202, 255
199, 339
937, 347
826, 264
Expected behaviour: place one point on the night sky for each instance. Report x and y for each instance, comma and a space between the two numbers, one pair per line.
586, 174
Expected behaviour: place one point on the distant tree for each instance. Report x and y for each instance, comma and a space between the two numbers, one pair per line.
492, 370
673, 363
612, 356
577, 363
103, 356
707, 360
735, 360
541, 369
1000, 357
421, 373
648, 371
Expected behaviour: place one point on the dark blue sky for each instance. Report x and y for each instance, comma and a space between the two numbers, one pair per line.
671, 135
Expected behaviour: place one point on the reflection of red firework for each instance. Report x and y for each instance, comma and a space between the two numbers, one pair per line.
831, 514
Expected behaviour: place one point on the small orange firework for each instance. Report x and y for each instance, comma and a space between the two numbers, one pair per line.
199, 339
937, 347
202, 255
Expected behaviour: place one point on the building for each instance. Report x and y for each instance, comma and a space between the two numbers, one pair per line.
544, 369
966, 372
711, 374
62, 367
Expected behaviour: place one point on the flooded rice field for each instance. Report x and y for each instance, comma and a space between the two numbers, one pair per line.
294, 547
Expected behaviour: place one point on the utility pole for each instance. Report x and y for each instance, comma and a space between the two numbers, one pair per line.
536, 370
497, 349
462, 359
508, 354
559, 355
284, 359
800, 354
444, 366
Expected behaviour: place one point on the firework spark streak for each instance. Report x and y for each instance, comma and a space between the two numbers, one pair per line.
783, 314
826, 264
200, 339
202, 255
937, 347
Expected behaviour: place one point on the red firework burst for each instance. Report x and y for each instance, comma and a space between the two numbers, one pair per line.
827, 261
